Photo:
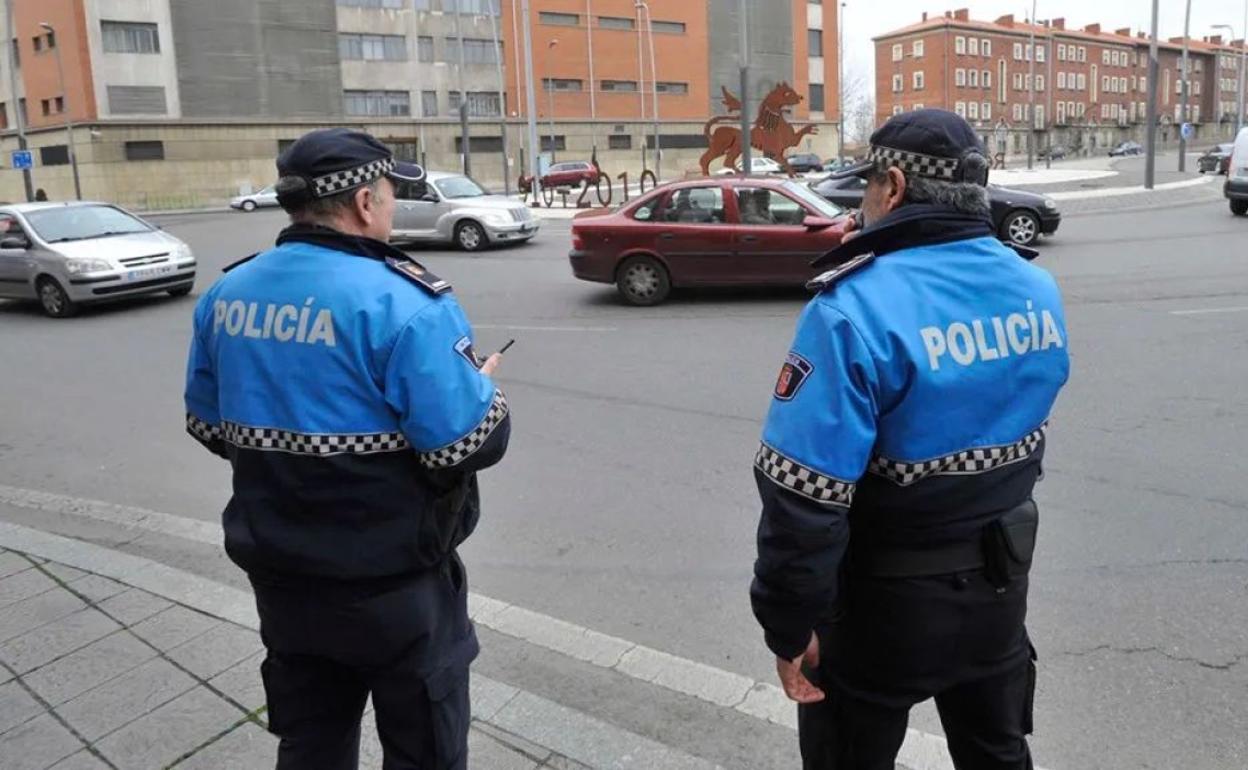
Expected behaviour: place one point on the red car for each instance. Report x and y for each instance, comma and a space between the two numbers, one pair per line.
570, 174
729, 231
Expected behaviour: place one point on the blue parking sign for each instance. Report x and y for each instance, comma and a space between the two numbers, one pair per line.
1188, 130
23, 159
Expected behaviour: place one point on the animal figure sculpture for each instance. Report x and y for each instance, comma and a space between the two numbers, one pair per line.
772, 133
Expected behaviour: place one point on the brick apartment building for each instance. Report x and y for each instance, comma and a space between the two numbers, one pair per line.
185, 102
1085, 89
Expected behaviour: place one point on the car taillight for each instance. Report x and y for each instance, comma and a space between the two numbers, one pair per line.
578, 243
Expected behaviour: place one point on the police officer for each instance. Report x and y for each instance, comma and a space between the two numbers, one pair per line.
897, 464
338, 378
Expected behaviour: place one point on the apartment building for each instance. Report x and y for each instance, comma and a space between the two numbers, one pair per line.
196, 98
1082, 88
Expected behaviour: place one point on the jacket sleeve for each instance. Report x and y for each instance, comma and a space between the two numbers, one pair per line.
452, 413
203, 416
816, 443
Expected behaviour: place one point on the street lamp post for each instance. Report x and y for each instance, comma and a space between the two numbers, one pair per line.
530, 101
1150, 120
643, 9
550, 95
17, 104
1187, 86
69, 123
743, 35
1243, 57
641, 79
1031, 90
840, 85
465, 148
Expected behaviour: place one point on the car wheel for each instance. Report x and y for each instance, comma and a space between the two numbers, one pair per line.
181, 291
53, 299
249, 206
1239, 208
1021, 227
469, 236
643, 281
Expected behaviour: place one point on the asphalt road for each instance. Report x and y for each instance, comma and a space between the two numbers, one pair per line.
626, 503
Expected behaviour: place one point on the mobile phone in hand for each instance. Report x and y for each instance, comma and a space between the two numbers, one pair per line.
504, 348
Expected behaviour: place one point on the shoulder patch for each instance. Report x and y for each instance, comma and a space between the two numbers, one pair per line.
417, 274
233, 265
795, 371
829, 278
464, 348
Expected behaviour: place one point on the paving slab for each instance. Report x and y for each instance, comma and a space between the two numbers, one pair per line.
242, 682
247, 746
162, 737
20, 618
12, 563
120, 701
134, 606
37, 744
23, 585
83, 760
219, 649
56, 639
89, 667
16, 706
174, 626
97, 588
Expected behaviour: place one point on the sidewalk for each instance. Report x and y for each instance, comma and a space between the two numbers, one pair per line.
95, 673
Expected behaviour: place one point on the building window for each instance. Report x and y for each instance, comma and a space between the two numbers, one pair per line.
560, 143
816, 97
59, 104
559, 19
476, 51
145, 150
1105, 85
371, 3
129, 37
1001, 85
46, 106
667, 87
424, 48
918, 81
616, 22
429, 104
897, 84
668, 27
1018, 81
972, 111
972, 46
918, 106
959, 77
986, 81
561, 84
37, 41
896, 109
619, 85
372, 47
960, 109
985, 47
985, 111
897, 52
55, 155
814, 42
1083, 82
481, 104
136, 100
620, 142
1018, 52
472, 7
1061, 52
1083, 54
959, 45
1039, 82
972, 78
1018, 112
1040, 53
385, 104
1061, 80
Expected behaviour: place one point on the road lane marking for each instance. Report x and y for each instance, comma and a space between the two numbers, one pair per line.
1207, 311
512, 327
761, 700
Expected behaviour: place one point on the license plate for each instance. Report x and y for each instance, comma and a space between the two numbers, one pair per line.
526, 228
148, 273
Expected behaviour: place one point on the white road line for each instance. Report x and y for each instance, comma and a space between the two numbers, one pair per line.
511, 327
762, 700
1207, 311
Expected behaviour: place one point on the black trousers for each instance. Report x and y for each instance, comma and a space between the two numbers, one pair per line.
956, 639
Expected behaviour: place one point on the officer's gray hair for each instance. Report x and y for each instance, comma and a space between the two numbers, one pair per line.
323, 211
965, 197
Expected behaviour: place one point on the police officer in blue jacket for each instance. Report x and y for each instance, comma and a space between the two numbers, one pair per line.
897, 463
338, 378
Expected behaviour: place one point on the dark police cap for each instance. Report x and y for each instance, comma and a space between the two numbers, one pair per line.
936, 144
330, 161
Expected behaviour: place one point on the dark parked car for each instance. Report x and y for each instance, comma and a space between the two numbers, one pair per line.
1236, 186
803, 162
1216, 159
722, 231
1126, 148
1057, 152
1019, 216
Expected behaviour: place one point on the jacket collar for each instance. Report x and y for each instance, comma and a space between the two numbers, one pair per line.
318, 235
916, 224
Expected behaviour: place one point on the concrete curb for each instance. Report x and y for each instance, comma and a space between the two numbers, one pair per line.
536, 720
1114, 192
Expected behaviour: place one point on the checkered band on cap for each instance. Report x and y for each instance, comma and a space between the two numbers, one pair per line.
914, 163
796, 477
315, 444
204, 431
965, 463
341, 181
453, 454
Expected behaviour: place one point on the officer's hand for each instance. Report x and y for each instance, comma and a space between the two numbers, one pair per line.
795, 683
491, 364
853, 227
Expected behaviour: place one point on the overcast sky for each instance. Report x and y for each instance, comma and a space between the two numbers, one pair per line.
865, 19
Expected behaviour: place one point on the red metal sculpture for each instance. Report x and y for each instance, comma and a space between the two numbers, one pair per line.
772, 133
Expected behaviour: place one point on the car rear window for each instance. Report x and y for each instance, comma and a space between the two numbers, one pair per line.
695, 205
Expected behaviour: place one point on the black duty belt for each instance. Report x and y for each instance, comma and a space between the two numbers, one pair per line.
1003, 549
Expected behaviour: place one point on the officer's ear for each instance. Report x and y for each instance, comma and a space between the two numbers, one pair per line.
894, 189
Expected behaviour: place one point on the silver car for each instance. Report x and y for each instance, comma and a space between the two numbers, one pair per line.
265, 197
69, 254
455, 209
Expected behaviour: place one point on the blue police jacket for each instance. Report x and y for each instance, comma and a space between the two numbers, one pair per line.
338, 378
910, 410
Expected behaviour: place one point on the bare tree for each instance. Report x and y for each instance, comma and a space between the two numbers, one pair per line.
859, 106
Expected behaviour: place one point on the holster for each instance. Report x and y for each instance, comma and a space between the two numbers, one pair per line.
1009, 543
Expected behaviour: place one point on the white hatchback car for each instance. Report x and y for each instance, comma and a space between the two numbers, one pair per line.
457, 210
69, 254
265, 197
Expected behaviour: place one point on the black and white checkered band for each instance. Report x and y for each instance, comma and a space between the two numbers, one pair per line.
453, 454
315, 444
341, 181
966, 463
914, 163
204, 431
798, 478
